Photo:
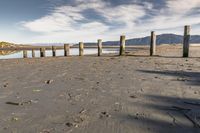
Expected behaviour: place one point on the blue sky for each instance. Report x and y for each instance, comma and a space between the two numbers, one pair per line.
48, 21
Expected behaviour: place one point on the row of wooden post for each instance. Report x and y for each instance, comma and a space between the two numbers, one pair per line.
81, 49
186, 42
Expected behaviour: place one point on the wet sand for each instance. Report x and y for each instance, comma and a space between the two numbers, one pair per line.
109, 94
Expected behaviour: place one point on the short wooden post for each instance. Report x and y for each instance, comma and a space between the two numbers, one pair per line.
33, 53
66, 49
186, 41
153, 44
25, 53
53, 51
81, 48
99, 44
42, 52
122, 45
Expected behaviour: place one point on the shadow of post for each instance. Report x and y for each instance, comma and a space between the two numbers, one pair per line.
190, 78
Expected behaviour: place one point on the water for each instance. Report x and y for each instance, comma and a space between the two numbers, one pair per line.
73, 51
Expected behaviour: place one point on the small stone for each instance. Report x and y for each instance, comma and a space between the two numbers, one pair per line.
104, 114
14, 119
133, 96
5, 85
69, 124
48, 81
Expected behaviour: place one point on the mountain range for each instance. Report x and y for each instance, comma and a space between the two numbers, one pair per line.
161, 39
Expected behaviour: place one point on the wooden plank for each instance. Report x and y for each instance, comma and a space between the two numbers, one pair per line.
66, 50
122, 45
33, 53
99, 45
25, 55
186, 41
81, 48
53, 51
153, 44
42, 52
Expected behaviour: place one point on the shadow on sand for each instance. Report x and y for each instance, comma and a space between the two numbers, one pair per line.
190, 78
168, 115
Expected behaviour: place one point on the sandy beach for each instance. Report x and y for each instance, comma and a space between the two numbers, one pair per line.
109, 94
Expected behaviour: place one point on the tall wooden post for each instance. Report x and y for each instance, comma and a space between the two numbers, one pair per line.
186, 41
99, 44
42, 52
122, 45
66, 49
53, 51
81, 48
153, 44
25, 54
33, 53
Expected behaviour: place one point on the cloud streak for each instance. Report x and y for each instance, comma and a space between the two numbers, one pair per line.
89, 20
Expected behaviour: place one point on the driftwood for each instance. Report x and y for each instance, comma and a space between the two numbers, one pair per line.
21, 103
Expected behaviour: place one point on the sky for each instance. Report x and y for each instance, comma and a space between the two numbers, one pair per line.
72, 21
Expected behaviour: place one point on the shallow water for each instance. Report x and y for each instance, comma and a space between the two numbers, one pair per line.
73, 51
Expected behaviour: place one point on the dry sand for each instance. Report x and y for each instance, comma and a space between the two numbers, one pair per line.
109, 94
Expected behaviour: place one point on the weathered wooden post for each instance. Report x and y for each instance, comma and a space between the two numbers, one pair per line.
66, 49
42, 52
25, 53
122, 45
53, 51
33, 53
186, 41
81, 48
153, 44
99, 44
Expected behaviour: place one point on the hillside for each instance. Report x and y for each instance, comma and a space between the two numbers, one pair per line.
6, 44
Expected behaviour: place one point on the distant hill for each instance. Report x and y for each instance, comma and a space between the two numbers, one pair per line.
161, 39
7, 45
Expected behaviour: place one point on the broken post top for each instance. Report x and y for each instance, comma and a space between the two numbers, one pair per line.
122, 40
66, 44
123, 37
152, 32
99, 40
187, 30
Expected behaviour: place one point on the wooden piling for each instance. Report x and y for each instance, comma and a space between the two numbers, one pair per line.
66, 49
33, 53
81, 48
53, 51
99, 44
25, 55
122, 45
153, 44
186, 41
42, 52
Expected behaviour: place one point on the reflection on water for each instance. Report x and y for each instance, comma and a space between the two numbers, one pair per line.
3, 53
73, 51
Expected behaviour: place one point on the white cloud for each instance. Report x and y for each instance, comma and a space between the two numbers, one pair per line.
68, 23
182, 6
